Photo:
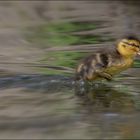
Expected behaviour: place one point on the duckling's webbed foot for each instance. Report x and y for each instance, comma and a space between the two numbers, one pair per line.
105, 75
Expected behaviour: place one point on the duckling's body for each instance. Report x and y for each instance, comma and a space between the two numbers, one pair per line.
107, 63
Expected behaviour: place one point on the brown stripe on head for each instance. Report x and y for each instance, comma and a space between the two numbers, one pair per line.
131, 41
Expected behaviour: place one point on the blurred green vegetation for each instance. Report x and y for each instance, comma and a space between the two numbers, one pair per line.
60, 34
47, 71
67, 59
60, 59
64, 27
137, 64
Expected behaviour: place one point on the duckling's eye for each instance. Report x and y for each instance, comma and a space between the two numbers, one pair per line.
124, 46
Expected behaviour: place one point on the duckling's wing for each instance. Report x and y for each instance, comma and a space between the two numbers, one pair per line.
101, 64
93, 67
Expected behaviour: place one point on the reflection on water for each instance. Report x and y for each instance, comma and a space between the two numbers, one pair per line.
51, 37
102, 96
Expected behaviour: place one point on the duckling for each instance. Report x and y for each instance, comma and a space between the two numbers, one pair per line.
104, 64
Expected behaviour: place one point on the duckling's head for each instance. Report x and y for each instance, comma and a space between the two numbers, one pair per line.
129, 47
